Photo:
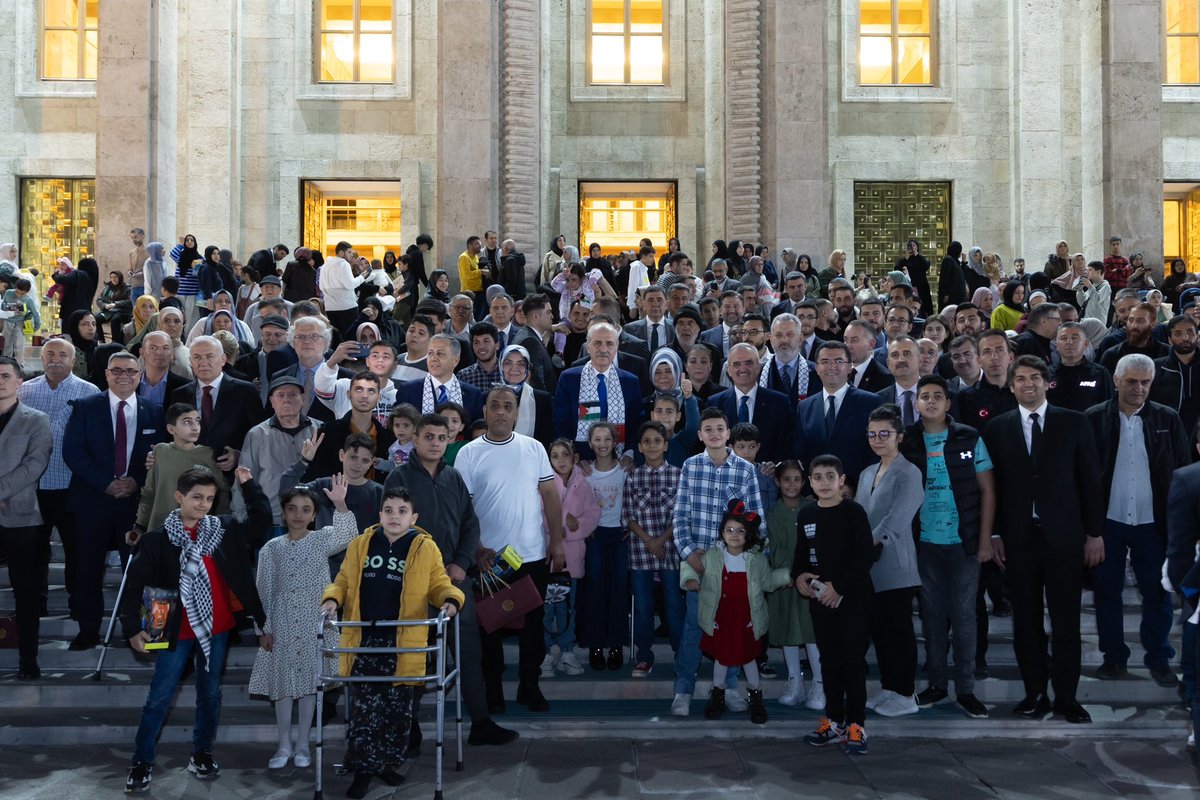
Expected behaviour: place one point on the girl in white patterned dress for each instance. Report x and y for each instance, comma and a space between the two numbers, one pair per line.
293, 571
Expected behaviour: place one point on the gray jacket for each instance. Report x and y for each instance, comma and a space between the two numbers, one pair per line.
26, 444
891, 507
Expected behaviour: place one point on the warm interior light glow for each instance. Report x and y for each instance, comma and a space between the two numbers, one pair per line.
627, 42
618, 220
69, 46
895, 44
356, 41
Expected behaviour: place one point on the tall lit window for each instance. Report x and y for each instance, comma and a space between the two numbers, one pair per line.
616, 215
626, 42
895, 42
1182, 55
355, 41
70, 33
1174, 230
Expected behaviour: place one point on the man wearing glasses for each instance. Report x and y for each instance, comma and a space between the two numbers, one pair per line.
833, 420
105, 445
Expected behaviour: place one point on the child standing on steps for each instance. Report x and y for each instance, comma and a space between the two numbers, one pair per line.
604, 591
732, 604
581, 515
293, 571
790, 619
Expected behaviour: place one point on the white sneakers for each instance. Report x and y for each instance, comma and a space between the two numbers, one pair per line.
896, 705
569, 664
883, 696
548, 666
816, 697
681, 706
793, 692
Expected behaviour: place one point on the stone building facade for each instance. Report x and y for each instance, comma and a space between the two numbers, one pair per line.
1039, 121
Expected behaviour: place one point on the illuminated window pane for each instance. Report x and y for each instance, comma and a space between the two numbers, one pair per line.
375, 15
912, 16
608, 59
60, 57
91, 54
914, 60
1183, 59
646, 59
375, 57
337, 57
875, 60
608, 16
1182, 16
617, 217
875, 17
93, 13
337, 15
61, 13
1172, 229
645, 16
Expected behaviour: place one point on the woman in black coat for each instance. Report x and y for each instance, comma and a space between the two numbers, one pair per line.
952, 284
917, 267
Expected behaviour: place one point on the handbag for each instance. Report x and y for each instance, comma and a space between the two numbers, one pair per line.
503, 605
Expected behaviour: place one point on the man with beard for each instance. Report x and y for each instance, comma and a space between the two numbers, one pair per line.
1138, 339
841, 293
795, 286
1176, 374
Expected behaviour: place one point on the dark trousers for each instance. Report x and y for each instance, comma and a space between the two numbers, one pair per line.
1146, 554
842, 636
991, 584
342, 320
531, 637
895, 641
57, 515
25, 571
603, 607
470, 661
1035, 569
105, 532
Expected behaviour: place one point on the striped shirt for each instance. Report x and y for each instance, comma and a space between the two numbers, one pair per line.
705, 490
56, 404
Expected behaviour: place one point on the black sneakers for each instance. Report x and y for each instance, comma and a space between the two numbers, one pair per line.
203, 767
931, 696
139, 778
971, 706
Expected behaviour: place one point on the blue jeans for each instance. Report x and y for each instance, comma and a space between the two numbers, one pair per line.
604, 591
134, 293
687, 657
167, 670
642, 582
560, 622
1145, 550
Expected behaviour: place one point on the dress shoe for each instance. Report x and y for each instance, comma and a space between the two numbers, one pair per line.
487, 732
29, 670
1002, 609
1164, 676
596, 659
84, 641
532, 698
1033, 707
615, 659
1072, 712
1111, 671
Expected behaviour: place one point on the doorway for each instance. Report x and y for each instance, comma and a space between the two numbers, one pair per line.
889, 213
617, 214
364, 213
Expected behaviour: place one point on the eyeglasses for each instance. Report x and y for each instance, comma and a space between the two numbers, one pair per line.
882, 436
737, 531
308, 337
832, 362
124, 373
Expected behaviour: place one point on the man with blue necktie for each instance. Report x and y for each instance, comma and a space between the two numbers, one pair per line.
441, 386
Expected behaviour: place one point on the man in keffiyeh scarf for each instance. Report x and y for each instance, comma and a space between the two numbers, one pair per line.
598, 390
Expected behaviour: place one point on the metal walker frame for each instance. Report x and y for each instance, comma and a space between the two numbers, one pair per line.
440, 680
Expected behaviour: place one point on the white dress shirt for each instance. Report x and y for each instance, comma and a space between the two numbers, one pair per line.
216, 390
1131, 500
837, 396
738, 394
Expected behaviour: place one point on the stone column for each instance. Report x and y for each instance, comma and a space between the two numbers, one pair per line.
1131, 70
796, 185
467, 126
521, 126
744, 121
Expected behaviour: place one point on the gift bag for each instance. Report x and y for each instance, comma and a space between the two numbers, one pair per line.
501, 605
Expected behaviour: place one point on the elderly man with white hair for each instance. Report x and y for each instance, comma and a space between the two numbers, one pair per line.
598, 390
309, 338
228, 407
1140, 444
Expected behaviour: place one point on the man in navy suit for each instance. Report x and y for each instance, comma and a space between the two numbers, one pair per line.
731, 315
105, 444
835, 420
441, 385
228, 407
786, 370
586, 394
768, 410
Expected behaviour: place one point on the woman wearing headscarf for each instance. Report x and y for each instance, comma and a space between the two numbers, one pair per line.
737, 263
144, 308
371, 311
439, 286
719, 250
952, 284
389, 263
170, 321
114, 304
550, 261
222, 301
916, 266
208, 276
535, 411
153, 270
983, 299
975, 273
666, 373
300, 277
75, 289
98, 363
1173, 283
81, 330
1006, 316
223, 320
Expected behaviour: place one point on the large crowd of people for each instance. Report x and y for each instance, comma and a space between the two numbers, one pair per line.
758, 454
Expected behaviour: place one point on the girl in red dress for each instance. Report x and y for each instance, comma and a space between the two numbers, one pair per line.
732, 604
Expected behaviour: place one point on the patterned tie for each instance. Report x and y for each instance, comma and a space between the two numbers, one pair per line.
443, 397
308, 387
785, 375
744, 409
602, 394
654, 337
830, 415
120, 437
206, 408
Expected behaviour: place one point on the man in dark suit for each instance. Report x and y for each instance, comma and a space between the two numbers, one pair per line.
158, 382
866, 373
1050, 522
1183, 532
731, 315
835, 419
538, 321
768, 410
784, 369
105, 444
229, 408
584, 394
653, 328
441, 385
631, 356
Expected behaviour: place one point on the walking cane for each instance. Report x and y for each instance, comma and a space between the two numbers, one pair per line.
113, 618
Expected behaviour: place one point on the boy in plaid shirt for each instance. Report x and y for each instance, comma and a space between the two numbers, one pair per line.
649, 505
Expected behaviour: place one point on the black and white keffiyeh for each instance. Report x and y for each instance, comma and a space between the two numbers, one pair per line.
429, 400
800, 378
589, 404
195, 591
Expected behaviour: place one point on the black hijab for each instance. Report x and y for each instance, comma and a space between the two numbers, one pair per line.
187, 257
88, 346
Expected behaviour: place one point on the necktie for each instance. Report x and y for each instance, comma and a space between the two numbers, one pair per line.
502, 341
654, 337
206, 408
853, 375
830, 415
308, 387
785, 375
443, 397
120, 437
744, 409
602, 393
1035, 437
909, 415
